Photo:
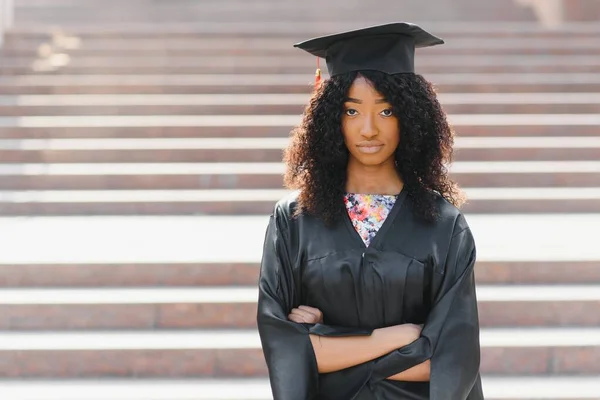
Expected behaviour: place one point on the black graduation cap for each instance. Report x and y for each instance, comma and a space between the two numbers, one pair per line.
388, 48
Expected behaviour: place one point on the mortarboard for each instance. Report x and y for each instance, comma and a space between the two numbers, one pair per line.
388, 48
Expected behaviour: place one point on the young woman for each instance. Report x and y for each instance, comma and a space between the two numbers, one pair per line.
366, 288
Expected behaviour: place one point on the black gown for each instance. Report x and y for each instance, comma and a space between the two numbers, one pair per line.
412, 272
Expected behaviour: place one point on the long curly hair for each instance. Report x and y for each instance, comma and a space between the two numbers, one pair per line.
317, 156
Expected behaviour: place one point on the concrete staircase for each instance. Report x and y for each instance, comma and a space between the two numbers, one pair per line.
140, 139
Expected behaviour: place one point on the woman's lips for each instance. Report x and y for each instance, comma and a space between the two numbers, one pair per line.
370, 148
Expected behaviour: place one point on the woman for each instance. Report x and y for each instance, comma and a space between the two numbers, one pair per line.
366, 287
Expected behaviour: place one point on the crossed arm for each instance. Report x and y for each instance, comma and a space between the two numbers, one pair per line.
337, 353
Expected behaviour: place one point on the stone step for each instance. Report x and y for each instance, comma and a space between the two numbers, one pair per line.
263, 11
282, 84
73, 45
156, 6
54, 67
33, 48
297, 58
562, 175
183, 155
268, 99
176, 10
270, 43
495, 388
252, 202
266, 150
115, 16
180, 8
521, 238
89, 5
281, 109
235, 307
274, 104
259, 125
270, 155
156, 389
425, 60
65, 64
457, 10
237, 353
298, 29
171, 274
107, 127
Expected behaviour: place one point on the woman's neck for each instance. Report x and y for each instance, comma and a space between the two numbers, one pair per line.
373, 179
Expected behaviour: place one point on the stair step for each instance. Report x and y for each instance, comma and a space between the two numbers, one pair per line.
177, 10
500, 238
235, 307
302, 29
278, 104
83, 275
18, 46
305, 87
199, 196
271, 149
33, 48
146, 389
219, 353
97, 129
495, 388
245, 294
278, 168
286, 121
33, 177
286, 79
161, 274
249, 339
63, 63
245, 202
440, 63
268, 99
220, 144
283, 84
48, 151
71, 42
263, 12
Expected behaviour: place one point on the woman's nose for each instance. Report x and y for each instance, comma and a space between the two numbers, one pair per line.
368, 128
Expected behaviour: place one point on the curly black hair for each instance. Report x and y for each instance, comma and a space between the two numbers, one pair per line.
316, 157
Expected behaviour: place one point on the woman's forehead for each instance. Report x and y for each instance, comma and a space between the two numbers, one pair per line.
363, 88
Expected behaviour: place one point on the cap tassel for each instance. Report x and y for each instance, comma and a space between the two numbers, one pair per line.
318, 75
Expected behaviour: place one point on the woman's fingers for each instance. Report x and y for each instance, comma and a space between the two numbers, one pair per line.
299, 319
295, 318
315, 311
305, 314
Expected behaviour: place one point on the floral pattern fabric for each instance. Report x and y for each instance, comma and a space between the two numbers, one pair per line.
368, 212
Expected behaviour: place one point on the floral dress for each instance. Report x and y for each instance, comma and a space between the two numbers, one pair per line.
367, 212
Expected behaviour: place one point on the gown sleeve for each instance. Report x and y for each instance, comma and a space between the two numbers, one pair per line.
450, 335
287, 348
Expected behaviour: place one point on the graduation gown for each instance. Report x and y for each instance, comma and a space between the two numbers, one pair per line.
412, 272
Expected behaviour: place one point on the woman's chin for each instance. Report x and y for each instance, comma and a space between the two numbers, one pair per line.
372, 160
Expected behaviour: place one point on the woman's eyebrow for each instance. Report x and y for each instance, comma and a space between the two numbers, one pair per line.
357, 101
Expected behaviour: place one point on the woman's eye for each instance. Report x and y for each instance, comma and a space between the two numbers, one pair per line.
387, 112
351, 112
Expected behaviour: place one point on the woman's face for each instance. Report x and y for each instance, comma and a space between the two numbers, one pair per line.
371, 130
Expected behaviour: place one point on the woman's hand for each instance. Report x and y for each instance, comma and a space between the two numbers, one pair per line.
306, 315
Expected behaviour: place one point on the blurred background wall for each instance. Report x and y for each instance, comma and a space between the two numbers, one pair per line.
140, 149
